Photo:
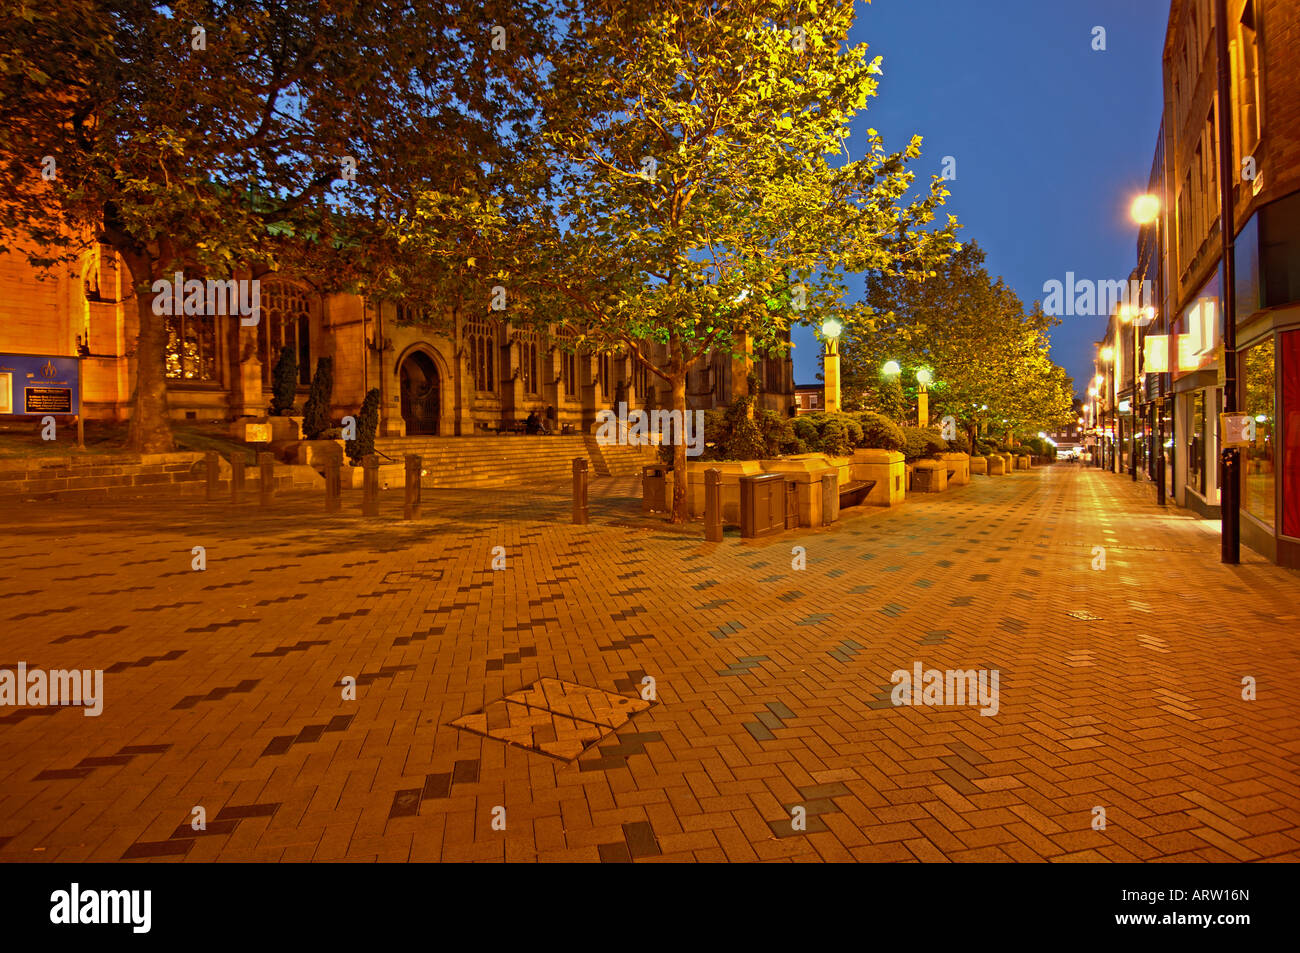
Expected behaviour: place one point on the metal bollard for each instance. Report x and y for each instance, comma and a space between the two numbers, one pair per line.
333, 480
411, 511
370, 485
237, 462
214, 473
266, 464
580, 491
713, 505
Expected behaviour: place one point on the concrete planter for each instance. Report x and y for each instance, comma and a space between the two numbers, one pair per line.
960, 465
979, 465
997, 465
887, 469
732, 471
316, 453
805, 472
929, 476
1022, 462
1008, 462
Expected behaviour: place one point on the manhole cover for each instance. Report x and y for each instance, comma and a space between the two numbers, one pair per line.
1084, 615
554, 718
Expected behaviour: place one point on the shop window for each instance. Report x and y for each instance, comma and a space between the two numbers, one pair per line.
1289, 345
1260, 386
1196, 444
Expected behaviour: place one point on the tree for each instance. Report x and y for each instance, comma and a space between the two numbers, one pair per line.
367, 425
990, 360
213, 136
284, 382
316, 412
703, 199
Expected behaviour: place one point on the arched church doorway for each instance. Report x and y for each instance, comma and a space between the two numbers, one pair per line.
419, 382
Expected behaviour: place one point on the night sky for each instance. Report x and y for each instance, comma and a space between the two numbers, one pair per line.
1052, 139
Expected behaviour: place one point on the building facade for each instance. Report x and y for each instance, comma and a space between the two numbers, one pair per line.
1163, 385
457, 377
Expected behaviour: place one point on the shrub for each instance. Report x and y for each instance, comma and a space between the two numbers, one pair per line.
745, 442
367, 425
879, 432
806, 431
778, 433
834, 439
316, 412
284, 382
920, 442
959, 444
852, 430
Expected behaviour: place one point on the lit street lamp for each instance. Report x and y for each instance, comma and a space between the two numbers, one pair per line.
923, 380
831, 330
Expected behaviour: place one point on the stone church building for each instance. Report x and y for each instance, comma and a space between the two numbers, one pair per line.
476, 377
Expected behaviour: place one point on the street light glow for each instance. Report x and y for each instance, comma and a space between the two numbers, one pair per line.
831, 328
1145, 209
1108, 354
924, 377
891, 368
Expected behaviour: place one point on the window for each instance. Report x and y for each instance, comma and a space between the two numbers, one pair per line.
480, 345
191, 347
285, 320
1245, 53
640, 381
1196, 445
529, 369
569, 372
1260, 387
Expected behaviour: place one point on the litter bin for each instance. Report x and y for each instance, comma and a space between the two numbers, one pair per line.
762, 505
654, 489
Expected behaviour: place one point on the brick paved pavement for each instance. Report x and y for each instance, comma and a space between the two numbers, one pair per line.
225, 688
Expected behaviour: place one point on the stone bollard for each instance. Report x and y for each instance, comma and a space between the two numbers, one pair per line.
266, 466
370, 485
237, 462
214, 473
580, 512
830, 496
333, 480
713, 505
411, 511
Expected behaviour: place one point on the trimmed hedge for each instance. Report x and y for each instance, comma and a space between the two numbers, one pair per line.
922, 442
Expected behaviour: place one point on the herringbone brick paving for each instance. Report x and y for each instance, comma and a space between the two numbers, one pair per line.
773, 684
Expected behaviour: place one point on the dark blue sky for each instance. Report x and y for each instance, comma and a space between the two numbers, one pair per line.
1052, 139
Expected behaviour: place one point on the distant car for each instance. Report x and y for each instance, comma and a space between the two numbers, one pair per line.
1068, 451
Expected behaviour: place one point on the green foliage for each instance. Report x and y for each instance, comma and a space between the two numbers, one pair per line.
284, 382
806, 430
778, 433
879, 432
921, 442
367, 426
834, 436
316, 412
959, 444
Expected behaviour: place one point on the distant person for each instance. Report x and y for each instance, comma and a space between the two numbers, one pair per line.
533, 424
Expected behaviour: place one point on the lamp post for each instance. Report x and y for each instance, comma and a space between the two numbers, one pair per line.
831, 365
923, 379
1144, 211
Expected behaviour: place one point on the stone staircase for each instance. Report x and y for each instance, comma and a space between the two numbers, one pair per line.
490, 461
618, 461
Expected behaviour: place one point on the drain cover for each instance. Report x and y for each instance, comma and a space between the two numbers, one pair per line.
554, 718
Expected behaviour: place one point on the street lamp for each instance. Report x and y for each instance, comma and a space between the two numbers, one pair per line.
1145, 209
923, 380
891, 369
831, 330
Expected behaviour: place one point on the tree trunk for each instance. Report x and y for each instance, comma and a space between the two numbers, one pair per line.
681, 511
150, 429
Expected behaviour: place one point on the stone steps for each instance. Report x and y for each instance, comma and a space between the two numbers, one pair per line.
473, 462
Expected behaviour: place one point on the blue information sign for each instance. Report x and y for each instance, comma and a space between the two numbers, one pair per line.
39, 384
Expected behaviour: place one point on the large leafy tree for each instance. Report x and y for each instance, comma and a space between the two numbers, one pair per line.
701, 193
990, 359
218, 134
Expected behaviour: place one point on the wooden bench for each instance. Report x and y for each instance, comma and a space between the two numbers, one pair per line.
855, 491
